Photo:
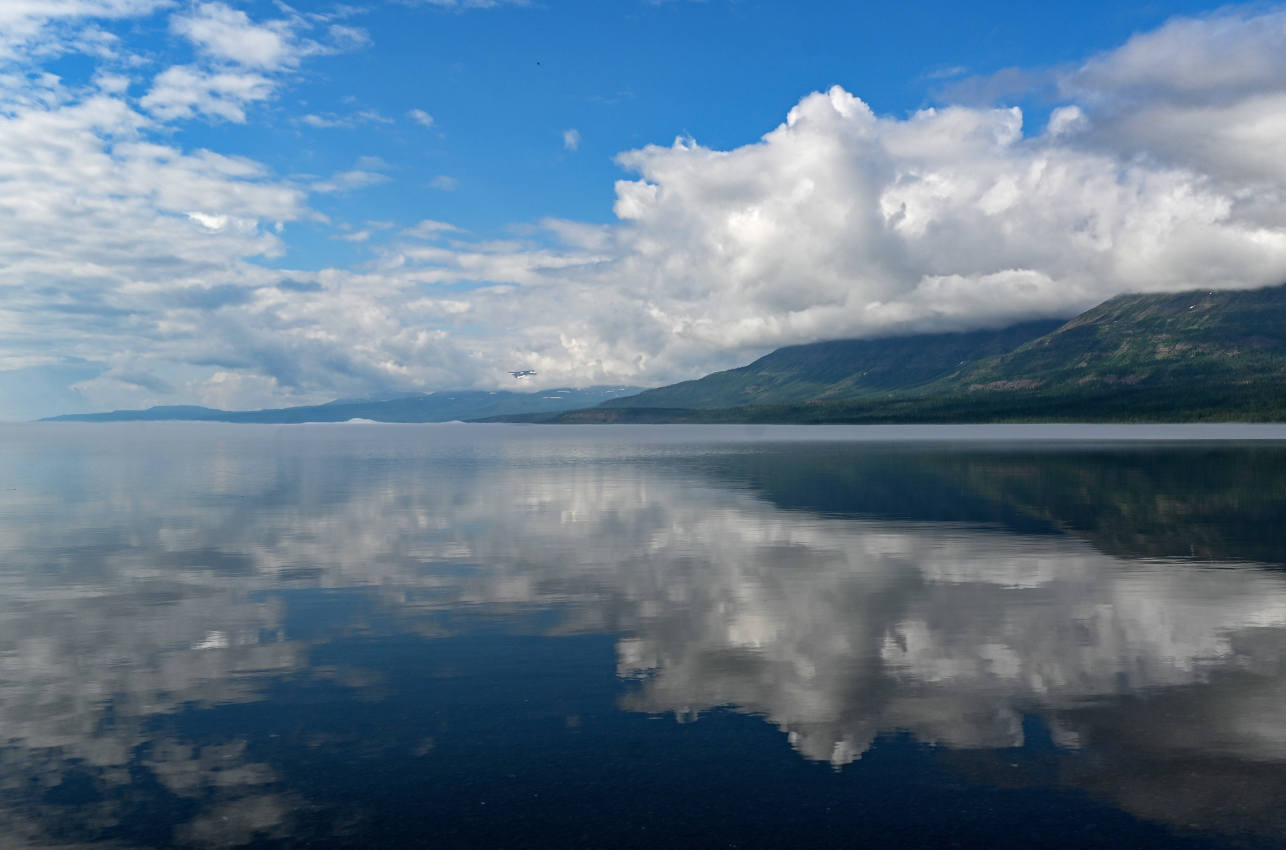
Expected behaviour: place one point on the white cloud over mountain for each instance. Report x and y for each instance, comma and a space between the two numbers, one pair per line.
1161, 169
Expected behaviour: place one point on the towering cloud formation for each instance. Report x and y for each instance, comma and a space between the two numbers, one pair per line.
843, 223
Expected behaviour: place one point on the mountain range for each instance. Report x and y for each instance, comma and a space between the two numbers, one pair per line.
1174, 357
1190, 356
413, 407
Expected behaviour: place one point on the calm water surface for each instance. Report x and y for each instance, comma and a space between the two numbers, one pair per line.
386, 636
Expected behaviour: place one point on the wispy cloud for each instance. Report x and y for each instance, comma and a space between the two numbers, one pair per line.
461, 5
430, 229
242, 63
44, 29
225, 34
184, 92
348, 181
329, 120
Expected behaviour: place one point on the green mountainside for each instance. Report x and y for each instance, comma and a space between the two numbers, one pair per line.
1150, 340
1191, 356
420, 407
841, 369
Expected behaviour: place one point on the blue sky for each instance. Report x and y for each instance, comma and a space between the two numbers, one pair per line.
504, 84
254, 204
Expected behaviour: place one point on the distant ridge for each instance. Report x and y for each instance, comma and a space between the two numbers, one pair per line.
841, 369
420, 407
1198, 356
1191, 356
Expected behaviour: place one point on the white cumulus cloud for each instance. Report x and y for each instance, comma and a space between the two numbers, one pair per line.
1202, 93
228, 34
184, 92
52, 27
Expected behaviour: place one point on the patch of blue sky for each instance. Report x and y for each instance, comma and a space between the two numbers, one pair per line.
503, 85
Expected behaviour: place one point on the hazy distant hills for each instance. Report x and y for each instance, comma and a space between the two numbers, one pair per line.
1192, 356
430, 407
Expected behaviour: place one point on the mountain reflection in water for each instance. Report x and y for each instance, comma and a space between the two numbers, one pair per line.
361, 635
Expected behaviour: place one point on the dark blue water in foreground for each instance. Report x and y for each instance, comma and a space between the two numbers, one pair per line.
506, 636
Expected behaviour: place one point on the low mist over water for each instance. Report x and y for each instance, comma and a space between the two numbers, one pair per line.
351, 635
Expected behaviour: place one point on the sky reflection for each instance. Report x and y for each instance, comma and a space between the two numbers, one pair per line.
176, 601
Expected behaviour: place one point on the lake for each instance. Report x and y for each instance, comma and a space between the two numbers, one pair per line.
722, 636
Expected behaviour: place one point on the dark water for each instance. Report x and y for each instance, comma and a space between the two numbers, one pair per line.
388, 636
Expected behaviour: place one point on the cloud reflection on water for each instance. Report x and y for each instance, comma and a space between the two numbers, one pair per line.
144, 576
